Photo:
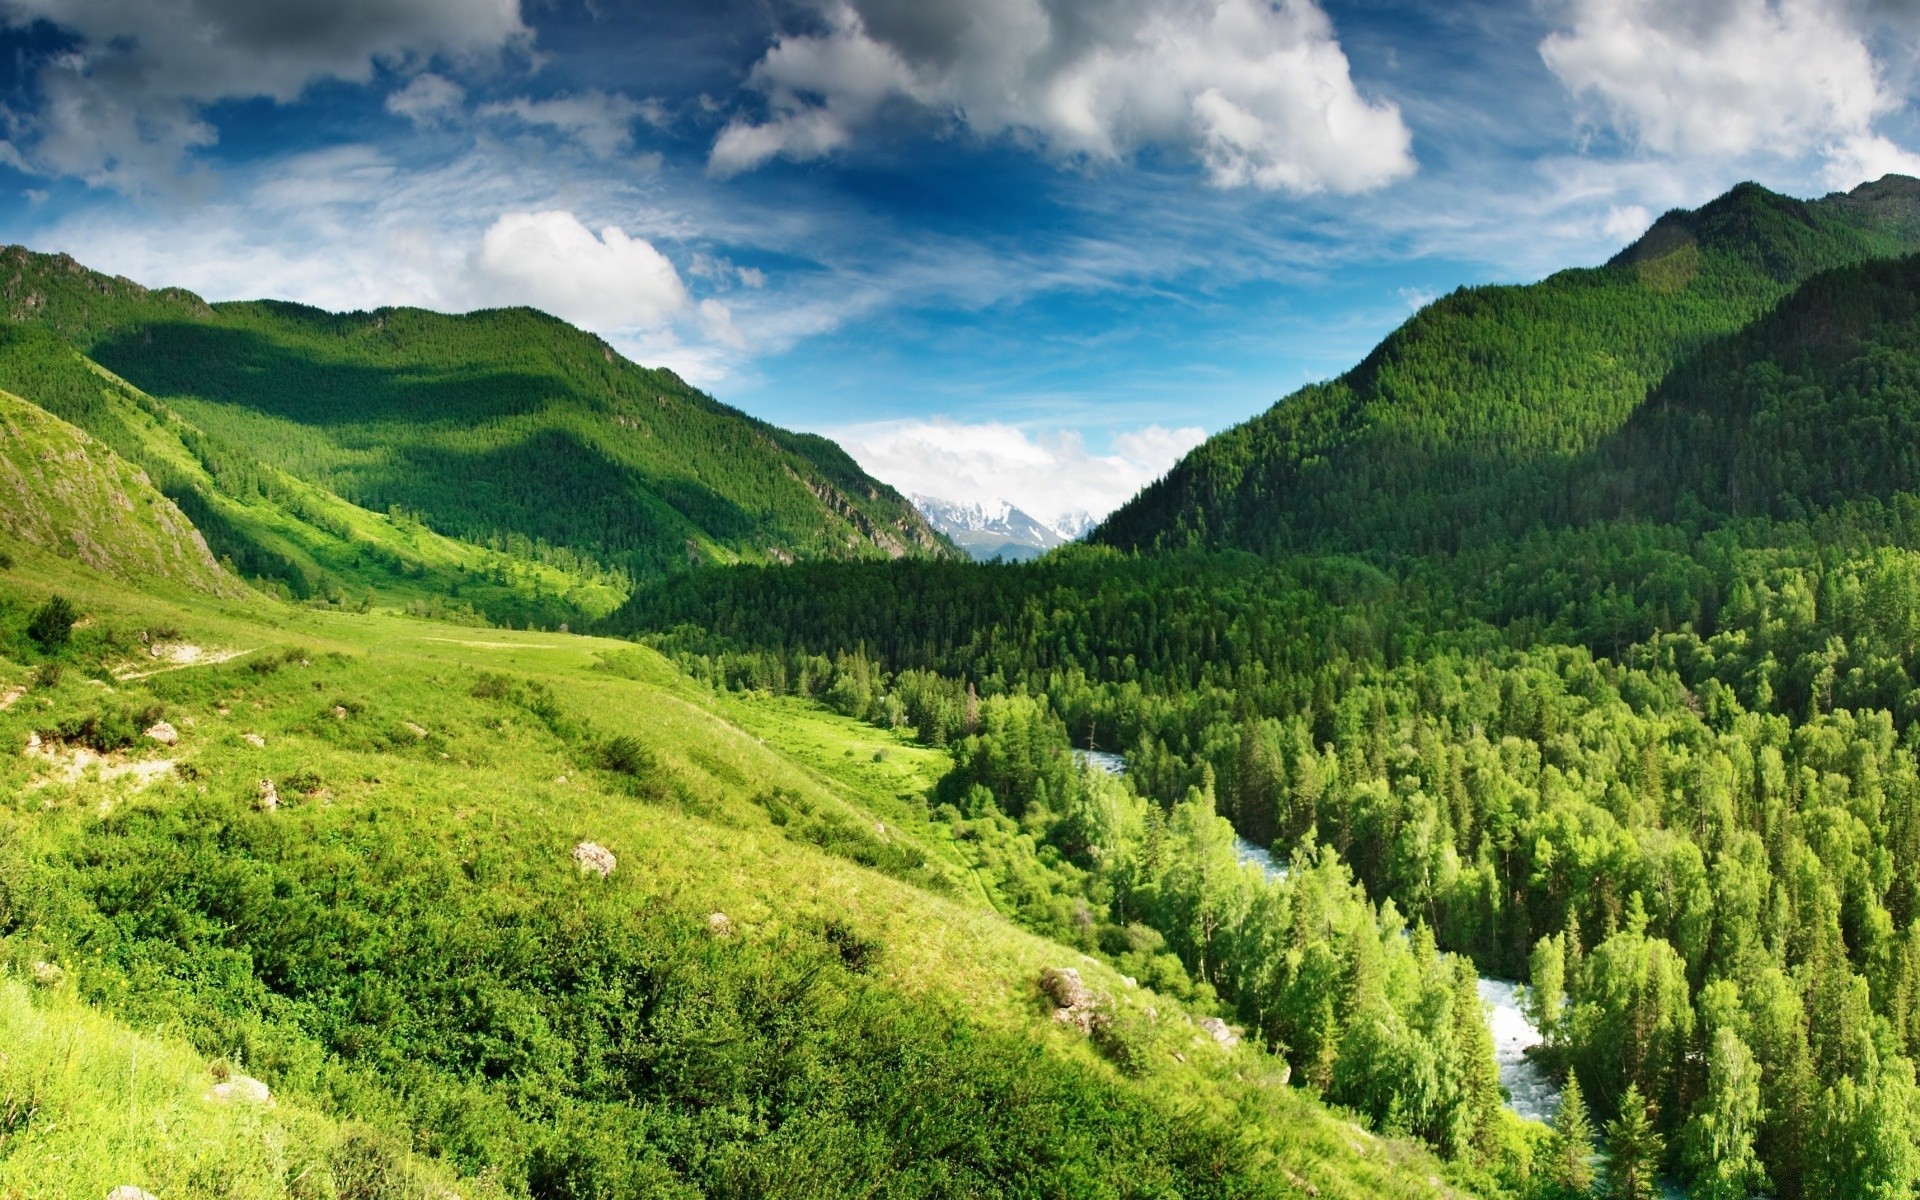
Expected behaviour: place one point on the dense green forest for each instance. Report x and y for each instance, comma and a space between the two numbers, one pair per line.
1416, 448
1629, 709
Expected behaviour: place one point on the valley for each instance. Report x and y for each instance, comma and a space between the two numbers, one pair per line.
539, 780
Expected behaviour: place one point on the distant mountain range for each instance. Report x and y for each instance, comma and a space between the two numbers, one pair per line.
999, 530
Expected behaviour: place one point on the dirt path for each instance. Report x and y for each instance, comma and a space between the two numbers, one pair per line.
179, 658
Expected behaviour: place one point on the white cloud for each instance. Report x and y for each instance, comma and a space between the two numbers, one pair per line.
553, 262
600, 121
1050, 475
427, 99
123, 108
1729, 78
1625, 222
1258, 90
1866, 156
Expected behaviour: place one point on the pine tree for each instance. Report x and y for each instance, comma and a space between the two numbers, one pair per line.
1635, 1148
1569, 1164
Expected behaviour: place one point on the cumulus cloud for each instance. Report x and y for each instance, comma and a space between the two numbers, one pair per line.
123, 107
427, 99
1050, 475
553, 262
600, 121
1258, 90
1729, 78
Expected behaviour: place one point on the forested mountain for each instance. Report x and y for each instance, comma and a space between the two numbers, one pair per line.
505, 430
1417, 448
1600, 666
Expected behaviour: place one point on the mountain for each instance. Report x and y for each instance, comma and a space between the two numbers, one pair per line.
996, 531
505, 431
64, 493
1418, 446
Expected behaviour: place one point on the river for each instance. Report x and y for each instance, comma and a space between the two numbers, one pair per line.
1531, 1092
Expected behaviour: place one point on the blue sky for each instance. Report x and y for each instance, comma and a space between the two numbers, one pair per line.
1020, 249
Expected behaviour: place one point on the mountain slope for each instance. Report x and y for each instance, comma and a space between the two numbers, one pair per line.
1814, 405
758, 997
506, 428
64, 492
1417, 446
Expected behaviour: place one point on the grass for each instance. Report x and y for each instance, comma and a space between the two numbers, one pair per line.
88, 1105
406, 948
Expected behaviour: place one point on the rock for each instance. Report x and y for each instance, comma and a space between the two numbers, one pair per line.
1223, 1034
10, 696
339, 712
557, 778
1062, 985
595, 859
718, 925
223, 710
269, 796
415, 730
241, 1089
1075, 1003
163, 733
254, 740
33, 742
48, 974
127, 1191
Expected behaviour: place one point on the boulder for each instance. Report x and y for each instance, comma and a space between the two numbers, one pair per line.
254, 740
718, 925
163, 733
1074, 1002
1062, 985
241, 1089
127, 1191
1223, 1034
48, 974
339, 712
594, 859
416, 730
269, 796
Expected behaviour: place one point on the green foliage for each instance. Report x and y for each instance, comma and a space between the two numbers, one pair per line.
1634, 1150
51, 625
1567, 1171
1424, 445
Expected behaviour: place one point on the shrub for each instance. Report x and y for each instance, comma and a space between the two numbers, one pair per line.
51, 625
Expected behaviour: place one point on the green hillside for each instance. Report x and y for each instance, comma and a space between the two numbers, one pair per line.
508, 431
64, 492
1418, 447
496, 913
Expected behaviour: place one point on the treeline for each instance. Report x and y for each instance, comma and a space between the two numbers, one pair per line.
1699, 789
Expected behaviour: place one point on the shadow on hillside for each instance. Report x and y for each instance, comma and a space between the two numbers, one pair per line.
487, 464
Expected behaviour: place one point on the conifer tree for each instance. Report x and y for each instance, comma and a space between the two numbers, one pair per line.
1569, 1166
1634, 1147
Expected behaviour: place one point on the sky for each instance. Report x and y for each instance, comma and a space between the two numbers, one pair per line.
1022, 250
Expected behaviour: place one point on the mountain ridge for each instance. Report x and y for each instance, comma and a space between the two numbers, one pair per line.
500, 429
1412, 446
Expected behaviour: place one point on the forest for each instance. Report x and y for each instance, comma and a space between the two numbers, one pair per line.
1628, 709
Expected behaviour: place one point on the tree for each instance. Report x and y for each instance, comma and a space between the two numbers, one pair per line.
51, 625
1569, 1164
1718, 1141
1547, 996
1635, 1148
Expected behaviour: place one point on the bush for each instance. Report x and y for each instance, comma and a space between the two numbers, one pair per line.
51, 625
